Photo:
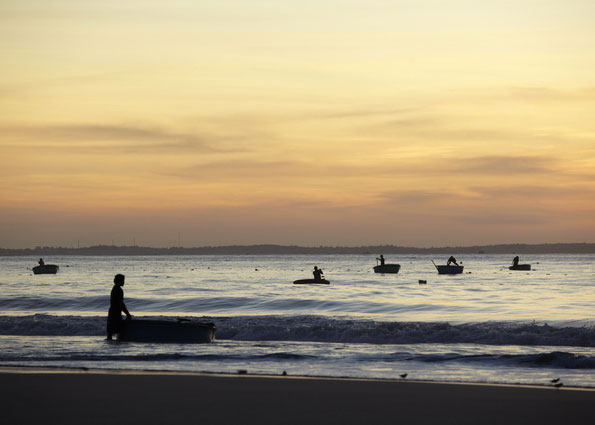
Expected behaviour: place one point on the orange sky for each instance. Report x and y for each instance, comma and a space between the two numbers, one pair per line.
353, 122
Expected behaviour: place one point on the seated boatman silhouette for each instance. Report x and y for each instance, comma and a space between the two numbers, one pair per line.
117, 306
41, 262
452, 260
317, 273
515, 261
381, 259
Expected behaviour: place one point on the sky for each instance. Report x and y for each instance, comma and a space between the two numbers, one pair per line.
343, 122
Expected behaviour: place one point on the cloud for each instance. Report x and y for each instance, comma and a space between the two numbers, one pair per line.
125, 138
415, 196
535, 192
540, 94
501, 164
507, 219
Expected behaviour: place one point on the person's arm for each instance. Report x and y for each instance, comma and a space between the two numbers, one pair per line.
122, 305
125, 310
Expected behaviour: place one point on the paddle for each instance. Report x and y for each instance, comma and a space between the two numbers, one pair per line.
434, 264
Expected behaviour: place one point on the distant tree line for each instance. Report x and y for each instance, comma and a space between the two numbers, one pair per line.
550, 248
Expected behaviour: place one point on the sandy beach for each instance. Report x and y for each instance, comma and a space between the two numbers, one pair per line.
99, 397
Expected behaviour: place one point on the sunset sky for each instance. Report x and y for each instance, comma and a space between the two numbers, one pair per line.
338, 122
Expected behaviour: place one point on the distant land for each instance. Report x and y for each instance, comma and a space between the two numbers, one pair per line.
549, 248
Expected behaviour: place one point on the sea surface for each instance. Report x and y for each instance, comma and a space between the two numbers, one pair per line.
488, 325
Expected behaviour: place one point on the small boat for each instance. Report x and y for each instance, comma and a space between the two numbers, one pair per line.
182, 331
450, 269
311, 282
46, 269
520, 267
387, 268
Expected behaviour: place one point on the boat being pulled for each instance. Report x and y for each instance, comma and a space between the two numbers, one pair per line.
46, 269
180, 331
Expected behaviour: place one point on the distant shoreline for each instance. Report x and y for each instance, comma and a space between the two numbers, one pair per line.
109, 250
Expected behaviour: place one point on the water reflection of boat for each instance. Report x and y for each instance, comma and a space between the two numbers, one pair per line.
183, 330
46, 269
387, 268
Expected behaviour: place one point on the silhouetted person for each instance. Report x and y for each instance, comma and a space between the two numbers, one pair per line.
117, 306
452, 260
381, 259
41, 262
317, 273
515, 261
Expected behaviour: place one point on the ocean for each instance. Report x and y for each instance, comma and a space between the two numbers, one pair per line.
487, 325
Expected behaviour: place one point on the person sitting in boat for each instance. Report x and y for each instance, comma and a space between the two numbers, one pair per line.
381, 259
117, 306
452, 260
515, 261
41, 262
317, 273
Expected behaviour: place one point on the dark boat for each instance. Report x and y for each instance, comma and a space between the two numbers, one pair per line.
450, 269
46, 269
182, 330
311, 282
520, 267
387, 268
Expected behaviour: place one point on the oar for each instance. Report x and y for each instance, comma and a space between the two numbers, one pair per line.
434, 264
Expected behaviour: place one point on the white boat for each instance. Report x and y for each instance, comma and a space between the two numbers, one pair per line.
182, 330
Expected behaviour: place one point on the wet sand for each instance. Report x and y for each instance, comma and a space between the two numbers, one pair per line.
98, 397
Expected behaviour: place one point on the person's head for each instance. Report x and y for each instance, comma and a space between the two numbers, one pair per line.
119, 279
315, 267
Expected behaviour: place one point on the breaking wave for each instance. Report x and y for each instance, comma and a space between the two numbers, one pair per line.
325, 329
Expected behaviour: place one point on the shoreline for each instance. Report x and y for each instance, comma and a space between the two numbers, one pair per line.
32, 370
104, 396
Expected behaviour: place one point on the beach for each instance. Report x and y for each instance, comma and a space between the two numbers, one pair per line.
33, 396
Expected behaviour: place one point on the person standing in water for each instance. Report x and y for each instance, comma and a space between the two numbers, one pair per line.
317, 273
117, 306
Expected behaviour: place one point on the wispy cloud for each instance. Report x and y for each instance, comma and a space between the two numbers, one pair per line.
501, 164
535, 192
126, 138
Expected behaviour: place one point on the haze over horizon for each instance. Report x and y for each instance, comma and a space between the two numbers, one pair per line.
413, 123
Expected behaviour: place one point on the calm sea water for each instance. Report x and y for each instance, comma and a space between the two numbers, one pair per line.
486, 325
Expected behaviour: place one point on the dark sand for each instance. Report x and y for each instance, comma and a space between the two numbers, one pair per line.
95, 397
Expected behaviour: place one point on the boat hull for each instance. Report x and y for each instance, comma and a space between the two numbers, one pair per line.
311, 282
141, 330
387, 268
46, 269
520, 267
450, 269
